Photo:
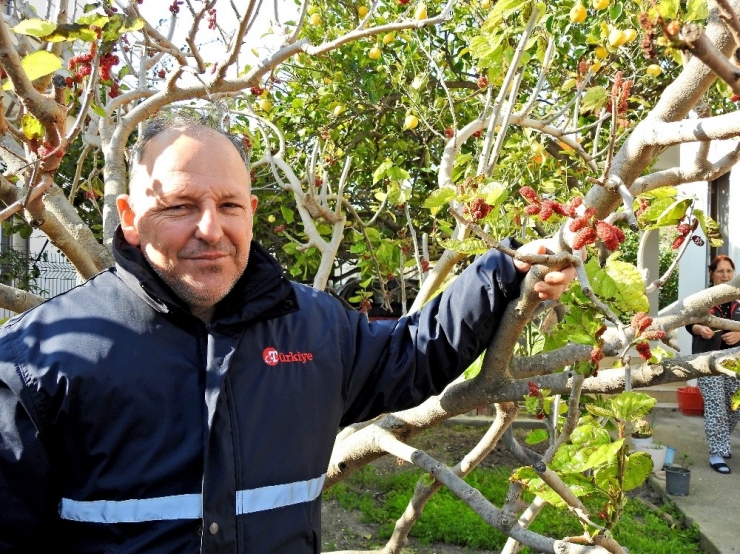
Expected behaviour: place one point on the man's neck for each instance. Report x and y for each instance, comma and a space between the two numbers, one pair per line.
204, 314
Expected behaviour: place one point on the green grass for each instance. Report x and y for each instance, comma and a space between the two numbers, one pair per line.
382, 498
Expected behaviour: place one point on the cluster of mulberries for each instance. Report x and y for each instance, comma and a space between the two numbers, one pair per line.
257, 90
648, 49
535, 392
611, 235
545, 208
684, 229
212, 18
644, 205
479, 209
82, 67
640, 321
597, 352
620, 95
586, 231
643, 349
175, 7
106, 62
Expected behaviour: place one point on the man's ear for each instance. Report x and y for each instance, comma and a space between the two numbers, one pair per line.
254, 201
127, 217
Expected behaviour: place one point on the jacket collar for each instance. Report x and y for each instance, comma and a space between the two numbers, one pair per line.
262, 291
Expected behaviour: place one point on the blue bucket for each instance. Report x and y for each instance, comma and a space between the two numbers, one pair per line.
670, 452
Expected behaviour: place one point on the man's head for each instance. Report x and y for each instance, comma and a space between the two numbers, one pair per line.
189, 209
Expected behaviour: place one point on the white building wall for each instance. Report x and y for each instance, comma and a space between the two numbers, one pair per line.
693, 274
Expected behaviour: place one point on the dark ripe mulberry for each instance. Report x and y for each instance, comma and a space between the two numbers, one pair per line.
698, 240
540, 415
584, 236
449, 132
643, 349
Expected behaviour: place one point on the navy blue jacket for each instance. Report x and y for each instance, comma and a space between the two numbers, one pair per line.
127, 425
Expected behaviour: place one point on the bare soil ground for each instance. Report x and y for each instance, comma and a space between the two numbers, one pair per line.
344, 529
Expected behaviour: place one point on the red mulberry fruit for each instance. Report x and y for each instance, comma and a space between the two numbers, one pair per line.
643, 349
529, 194
584, 236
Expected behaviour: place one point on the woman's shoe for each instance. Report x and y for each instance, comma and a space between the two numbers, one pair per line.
721, 467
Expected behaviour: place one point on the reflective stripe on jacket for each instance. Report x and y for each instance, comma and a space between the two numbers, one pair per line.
129, 426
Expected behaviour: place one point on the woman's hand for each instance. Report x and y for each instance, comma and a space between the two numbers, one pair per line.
731, 337
703, 331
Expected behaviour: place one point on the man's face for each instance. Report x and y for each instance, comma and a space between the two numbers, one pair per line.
190, 211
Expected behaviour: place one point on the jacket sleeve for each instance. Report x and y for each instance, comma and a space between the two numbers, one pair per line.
28, 512
398, 365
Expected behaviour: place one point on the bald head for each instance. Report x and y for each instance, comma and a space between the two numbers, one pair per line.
190, 212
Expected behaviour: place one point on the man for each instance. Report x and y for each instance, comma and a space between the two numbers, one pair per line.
187, 400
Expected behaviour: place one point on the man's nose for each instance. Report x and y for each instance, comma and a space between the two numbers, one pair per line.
209, 228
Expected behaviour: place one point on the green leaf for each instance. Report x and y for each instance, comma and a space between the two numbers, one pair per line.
598, 411
591, 434
98, 110
502, 10
696, 10
474, 368
710, 229
639, 465
32, 127
668, 9
35, 27
594, 98
438, 198
287, 214
70, 32
381, 170
619, 283
674, 213
397, 174
495, 193
604, 454
537, 436
629, 405
736, 400
38, 64
467, 246
638, 469
732, 365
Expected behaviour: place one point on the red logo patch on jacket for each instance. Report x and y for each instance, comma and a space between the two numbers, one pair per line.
271, 356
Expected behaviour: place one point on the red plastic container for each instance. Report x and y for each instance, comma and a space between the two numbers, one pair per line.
690, 401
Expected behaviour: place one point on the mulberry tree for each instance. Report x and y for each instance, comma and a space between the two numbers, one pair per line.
392, 140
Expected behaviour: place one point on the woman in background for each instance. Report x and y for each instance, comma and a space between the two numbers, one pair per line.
717, 390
